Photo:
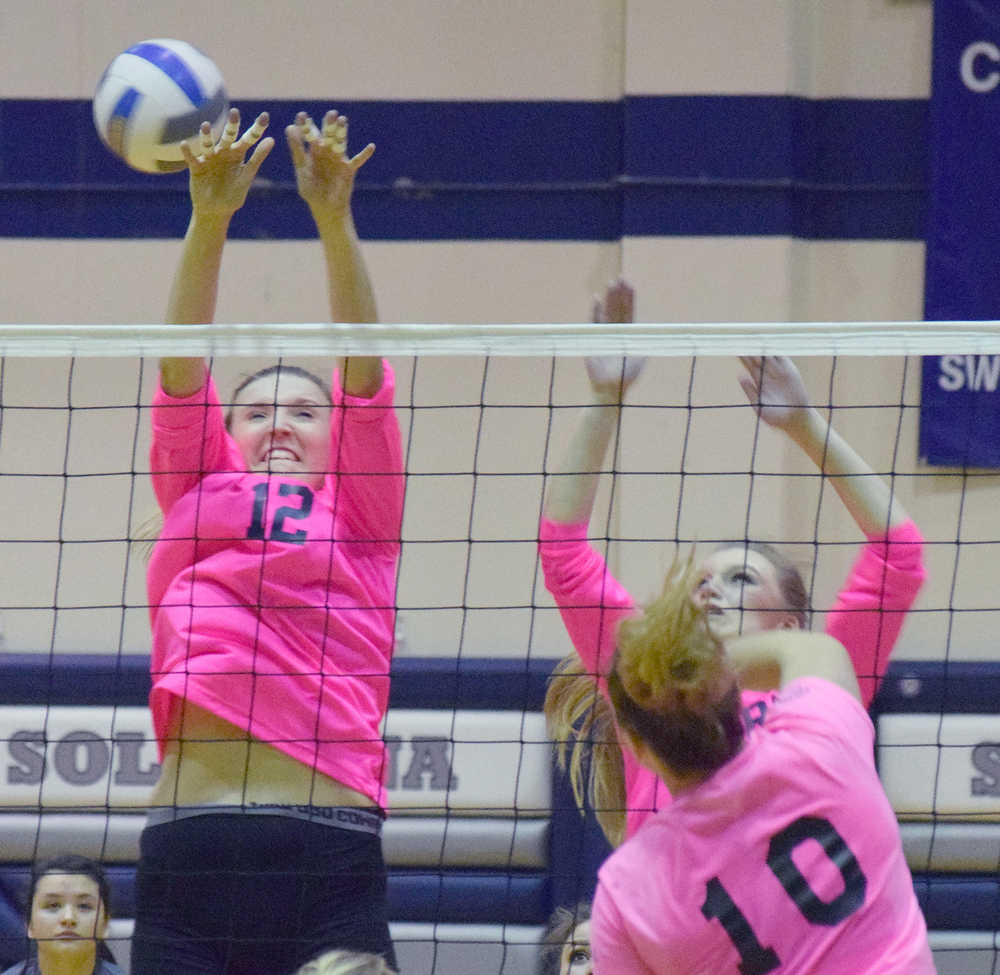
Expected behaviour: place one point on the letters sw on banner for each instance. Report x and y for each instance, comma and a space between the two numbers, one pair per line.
960, 409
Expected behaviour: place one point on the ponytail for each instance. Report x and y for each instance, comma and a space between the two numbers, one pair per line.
670, 684
582, 726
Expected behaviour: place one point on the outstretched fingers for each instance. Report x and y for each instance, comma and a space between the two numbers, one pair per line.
335, 131
199, 146
619, 301
362, 157
260, 153
616, 306
221, 173
754, 366
751, 390
296, 142
252, 135
231, 129
203, 146
206, 139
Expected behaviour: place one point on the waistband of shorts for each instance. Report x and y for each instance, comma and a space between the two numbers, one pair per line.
340, 817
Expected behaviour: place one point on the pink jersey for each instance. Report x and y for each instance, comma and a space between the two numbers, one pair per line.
787, 859
866, 619
272, 603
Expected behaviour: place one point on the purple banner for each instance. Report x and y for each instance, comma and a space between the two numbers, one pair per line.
960, 409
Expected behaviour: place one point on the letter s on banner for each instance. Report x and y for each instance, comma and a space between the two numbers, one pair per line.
952, 375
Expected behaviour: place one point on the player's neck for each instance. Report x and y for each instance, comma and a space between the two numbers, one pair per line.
679, 783
55, 959
676, 782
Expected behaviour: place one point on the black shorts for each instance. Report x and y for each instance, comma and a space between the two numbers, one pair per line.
245, 894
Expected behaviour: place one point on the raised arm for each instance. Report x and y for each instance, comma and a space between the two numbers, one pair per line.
888, 572
573, 487
775, 388
770, 659
325, 176
220, 178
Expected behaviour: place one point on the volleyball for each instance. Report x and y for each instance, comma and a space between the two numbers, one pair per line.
154, 96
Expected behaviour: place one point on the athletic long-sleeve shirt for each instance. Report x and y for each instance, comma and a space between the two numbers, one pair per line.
272, 603
866, 619
787, 859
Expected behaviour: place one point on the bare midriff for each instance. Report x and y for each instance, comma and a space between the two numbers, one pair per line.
210, 762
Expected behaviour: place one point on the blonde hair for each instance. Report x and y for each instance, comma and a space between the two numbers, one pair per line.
582, 726
669, 658
346, 963
671, 685
146, 534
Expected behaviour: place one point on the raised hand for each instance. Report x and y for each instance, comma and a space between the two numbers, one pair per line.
220, 172
611, 376
775, 390
324, 172
617, 305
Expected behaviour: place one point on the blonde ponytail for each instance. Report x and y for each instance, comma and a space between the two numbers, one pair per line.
667, 655
147, 533
581, 724
671, 685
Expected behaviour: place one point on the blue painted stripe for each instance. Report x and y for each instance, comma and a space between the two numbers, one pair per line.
935, 686
959, 902
645, 166
83, 679
764, 139
173, 66
452, 896
467, 897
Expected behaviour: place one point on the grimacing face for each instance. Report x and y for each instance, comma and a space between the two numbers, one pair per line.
67, 914
740, 590
281, 424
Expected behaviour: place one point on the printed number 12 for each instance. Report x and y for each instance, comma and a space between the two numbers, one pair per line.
278, 533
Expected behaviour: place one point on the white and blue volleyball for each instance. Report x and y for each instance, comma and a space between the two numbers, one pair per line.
154, 96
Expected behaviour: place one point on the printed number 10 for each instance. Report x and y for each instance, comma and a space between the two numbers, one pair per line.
755, 959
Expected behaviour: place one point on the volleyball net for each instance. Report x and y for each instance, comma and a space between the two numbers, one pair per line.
483, 842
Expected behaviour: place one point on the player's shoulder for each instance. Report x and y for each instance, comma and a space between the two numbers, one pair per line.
814, 704
814, 693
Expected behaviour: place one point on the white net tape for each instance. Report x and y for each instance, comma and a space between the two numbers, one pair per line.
309, 339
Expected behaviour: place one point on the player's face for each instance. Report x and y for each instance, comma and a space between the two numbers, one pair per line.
575, 958
66, 914
284, 430
740, 589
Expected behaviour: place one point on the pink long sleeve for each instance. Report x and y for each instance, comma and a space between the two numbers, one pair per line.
872, 606
369, 465
189, 440
591, 600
